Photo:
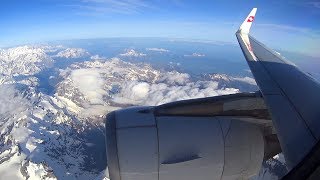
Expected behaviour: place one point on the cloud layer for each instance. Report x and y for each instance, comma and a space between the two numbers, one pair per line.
141, 93
90, 84
91, 88
11, 102
195, 55
101, 7
161, 50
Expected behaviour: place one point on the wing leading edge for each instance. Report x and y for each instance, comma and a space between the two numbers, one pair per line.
291, 95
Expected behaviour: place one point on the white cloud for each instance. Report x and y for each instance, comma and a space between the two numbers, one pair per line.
127, 7
170, 86
140, 90
195, 55
11, 102
97, 57
161, 50
115, 83
133, 91
132, 53
90, 84
160, 93
101, 7
87, 87
175, 78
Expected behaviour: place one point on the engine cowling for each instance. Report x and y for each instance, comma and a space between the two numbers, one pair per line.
144, 143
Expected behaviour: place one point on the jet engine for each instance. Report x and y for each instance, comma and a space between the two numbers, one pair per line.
224, 137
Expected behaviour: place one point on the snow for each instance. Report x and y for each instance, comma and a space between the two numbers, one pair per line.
132, 53
72, 53
23, 60
38, 172
272, 169
11, 169
71, 106
104, 175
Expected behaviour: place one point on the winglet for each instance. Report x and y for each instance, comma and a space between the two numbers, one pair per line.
246, 25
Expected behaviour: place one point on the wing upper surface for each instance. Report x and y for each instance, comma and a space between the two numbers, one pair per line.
292, 96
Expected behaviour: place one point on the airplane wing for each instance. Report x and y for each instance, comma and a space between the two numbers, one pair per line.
293, 98
223, 137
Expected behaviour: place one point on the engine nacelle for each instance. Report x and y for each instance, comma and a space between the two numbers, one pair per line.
145, 144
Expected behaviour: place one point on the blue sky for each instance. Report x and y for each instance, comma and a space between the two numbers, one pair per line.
292, 26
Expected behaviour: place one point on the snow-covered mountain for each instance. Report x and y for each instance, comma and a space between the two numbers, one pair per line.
39, 139
244, 84
40, 136
73, 53
132, 53
24, 60
61, 135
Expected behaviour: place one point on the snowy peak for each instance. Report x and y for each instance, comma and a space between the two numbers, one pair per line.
23, 54
132, 53
23, 60
73, 53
